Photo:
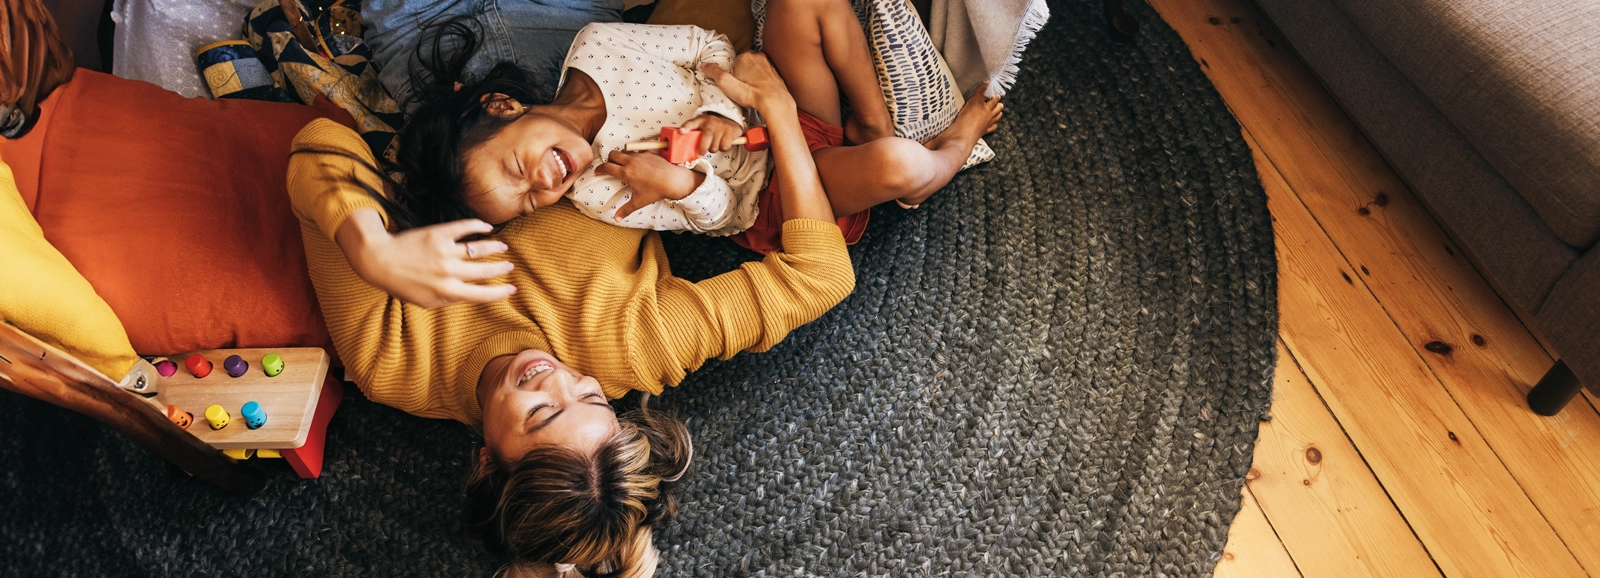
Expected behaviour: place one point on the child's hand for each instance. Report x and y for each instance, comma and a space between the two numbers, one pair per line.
753, 82
716, 133
651, 177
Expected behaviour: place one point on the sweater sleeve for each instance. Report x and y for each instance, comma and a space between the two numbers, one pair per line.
336, 176
755, 307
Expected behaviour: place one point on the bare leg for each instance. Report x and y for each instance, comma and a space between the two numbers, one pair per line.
860, 177
819, 49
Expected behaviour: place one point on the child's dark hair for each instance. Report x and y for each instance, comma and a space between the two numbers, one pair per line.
426, 177
449, 121
594, 511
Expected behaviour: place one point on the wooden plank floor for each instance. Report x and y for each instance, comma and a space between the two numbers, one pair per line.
1400, 443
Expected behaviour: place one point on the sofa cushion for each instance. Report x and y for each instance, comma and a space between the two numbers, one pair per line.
1569, 317
1509, 241
43, 295
1521, 80
176, 211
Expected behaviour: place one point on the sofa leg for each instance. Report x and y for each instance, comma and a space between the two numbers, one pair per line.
1121, 25
1554, 390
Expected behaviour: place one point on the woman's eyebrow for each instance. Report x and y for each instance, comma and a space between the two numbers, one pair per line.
547, 420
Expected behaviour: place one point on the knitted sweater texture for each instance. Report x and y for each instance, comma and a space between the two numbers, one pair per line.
601, 298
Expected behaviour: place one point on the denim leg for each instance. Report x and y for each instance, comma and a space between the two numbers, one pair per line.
394, 29
535, 34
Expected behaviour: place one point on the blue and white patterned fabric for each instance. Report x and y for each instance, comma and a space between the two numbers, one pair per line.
921, 92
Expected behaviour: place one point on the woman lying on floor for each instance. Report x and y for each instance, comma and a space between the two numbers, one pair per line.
596, 313
598, 298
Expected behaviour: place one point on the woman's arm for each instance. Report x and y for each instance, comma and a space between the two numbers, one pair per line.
756, 83
426, 266
755, 307
388, 347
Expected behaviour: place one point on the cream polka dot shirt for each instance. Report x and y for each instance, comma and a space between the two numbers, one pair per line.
650, 77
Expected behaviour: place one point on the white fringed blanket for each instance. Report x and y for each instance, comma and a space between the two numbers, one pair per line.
982, 40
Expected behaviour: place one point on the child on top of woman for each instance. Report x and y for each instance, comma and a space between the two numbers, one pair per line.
491, 147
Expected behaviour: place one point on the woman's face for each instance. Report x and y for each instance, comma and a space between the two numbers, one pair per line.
530, 399
528, 164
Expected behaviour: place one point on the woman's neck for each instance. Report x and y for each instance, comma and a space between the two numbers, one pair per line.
580, 103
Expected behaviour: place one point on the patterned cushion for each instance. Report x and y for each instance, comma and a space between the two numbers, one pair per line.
917, 84
340, 70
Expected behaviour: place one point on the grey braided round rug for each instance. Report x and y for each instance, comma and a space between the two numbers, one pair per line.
1055, 367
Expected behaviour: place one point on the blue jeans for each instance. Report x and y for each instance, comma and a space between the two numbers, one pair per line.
534, 34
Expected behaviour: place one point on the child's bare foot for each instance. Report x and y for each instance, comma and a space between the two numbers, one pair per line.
862, 131
978, 117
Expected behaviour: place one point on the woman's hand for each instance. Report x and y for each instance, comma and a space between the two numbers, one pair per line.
426, 266
752, 82
716, 133
651, 177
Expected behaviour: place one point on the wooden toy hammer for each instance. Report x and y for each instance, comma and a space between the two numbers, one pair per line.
681, 145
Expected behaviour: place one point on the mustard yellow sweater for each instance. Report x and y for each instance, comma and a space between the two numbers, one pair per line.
601, 298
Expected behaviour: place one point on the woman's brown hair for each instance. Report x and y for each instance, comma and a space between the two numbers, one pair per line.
594, 511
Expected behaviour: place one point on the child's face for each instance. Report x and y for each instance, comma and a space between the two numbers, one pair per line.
531, 400
528, 164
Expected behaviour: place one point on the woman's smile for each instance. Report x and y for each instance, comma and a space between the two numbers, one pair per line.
534, 368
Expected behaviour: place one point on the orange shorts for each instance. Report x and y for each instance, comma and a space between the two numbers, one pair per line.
765, 235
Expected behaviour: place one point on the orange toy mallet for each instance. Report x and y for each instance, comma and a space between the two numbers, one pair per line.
680, 145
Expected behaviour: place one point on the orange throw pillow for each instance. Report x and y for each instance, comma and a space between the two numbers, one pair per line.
176, 211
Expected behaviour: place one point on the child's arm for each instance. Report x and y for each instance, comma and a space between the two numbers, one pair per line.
716, 133
661, 194
644, 191
711, 47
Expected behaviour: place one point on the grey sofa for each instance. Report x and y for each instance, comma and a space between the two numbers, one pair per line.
1490, 111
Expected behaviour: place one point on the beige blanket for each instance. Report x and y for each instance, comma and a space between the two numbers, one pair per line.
983, 40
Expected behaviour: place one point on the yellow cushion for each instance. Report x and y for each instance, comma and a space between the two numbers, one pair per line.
730, 17
44, 296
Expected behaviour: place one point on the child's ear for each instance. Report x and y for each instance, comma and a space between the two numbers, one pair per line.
484, 456
501, 105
